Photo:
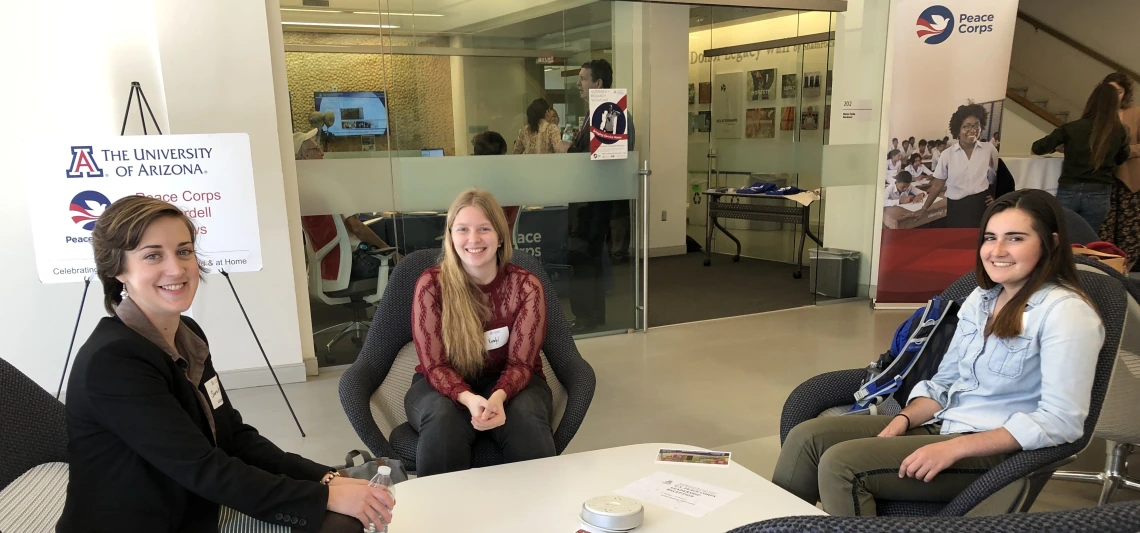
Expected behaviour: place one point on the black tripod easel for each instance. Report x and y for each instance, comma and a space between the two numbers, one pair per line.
136, 88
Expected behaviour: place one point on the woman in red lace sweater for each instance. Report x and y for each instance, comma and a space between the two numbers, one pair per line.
478, 323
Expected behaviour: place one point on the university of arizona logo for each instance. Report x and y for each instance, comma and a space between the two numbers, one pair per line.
83, 163
86, 208
935, 25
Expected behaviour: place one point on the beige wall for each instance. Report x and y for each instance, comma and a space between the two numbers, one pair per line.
418, 89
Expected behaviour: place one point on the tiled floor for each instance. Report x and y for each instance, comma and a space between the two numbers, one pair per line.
717, 384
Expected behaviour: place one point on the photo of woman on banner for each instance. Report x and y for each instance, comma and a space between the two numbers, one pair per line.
965, 170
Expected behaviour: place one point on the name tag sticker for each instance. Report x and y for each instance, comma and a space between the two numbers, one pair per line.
497, 338
214, 391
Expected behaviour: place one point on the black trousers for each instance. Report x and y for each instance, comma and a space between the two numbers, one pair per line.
446, 433
966, 212
589, 228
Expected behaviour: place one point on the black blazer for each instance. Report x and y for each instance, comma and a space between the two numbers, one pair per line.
142, 457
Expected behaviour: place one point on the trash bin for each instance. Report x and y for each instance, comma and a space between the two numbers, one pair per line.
834, 273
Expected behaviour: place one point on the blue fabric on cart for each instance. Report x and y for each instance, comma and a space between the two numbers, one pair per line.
786, 191
758, 188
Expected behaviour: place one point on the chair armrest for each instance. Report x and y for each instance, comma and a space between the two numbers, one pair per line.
579, 381
818, 394
356, 387
381, 251
1016, 467
1115, 518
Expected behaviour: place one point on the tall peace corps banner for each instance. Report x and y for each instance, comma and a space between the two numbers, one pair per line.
951, 63
208, 177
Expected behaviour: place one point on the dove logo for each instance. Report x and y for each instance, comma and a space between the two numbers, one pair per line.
85, 210
935, 25
83, 163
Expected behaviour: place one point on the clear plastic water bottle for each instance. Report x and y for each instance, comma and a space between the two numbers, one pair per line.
383, 478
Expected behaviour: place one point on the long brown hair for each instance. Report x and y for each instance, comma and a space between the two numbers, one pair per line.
1056, 264
1125, 83
119, 230
465, 307
536, 113
1103, 107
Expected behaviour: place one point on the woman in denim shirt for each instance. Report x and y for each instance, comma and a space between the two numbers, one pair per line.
1017, 376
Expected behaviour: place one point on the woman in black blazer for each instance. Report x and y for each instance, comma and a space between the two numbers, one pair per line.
154, 444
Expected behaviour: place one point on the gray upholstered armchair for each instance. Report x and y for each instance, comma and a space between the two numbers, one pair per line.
372, 390
33, 454
834, 389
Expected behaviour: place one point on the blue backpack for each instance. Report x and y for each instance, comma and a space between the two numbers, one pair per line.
916, 351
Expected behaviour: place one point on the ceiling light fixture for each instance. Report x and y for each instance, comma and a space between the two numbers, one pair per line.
394, 14
338, 25
350, 12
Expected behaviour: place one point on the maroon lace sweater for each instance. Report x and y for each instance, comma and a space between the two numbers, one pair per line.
517, 303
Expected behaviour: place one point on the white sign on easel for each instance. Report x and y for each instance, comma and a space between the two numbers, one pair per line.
209, 177
609, 129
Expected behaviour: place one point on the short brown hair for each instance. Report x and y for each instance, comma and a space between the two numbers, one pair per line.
119, 230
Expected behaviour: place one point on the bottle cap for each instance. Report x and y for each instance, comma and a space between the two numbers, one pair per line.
384, 470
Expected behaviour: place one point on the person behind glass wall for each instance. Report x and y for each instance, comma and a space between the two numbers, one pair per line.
540, 135
154, 443
362, 239
489, 143
478, 323
590, 222
1122, 227
1095, 145
1017, 375
965, 171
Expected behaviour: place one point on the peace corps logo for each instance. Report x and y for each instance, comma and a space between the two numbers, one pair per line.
86, 208
935, 24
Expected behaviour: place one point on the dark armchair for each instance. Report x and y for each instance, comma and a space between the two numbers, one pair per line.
1117, 518
372, 390
835, 389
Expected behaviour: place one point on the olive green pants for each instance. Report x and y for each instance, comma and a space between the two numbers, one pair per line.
841, 462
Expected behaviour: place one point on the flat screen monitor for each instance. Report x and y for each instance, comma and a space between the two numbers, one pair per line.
357, 113
431, 152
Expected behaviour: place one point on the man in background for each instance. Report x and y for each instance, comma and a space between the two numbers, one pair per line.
590, 222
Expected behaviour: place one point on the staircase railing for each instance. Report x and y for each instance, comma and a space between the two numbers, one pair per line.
1034, 108
1077, 45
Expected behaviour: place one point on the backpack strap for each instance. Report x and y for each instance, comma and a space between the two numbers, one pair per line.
881, 387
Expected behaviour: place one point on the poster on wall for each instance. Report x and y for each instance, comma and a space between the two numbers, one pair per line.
809, 119
209, 177
765, 122
705, 90
811, 84
609, 138
762, 84
692, 94
931, 211
790, 84
788, 118
728, 106
704, 121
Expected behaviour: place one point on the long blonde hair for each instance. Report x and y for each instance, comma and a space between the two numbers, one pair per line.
465, 308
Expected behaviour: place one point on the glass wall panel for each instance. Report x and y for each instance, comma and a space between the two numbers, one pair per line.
757, 115
389, 95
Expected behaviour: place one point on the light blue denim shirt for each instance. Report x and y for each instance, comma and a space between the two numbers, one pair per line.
1036, 385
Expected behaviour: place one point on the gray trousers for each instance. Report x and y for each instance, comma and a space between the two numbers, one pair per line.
841, 462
